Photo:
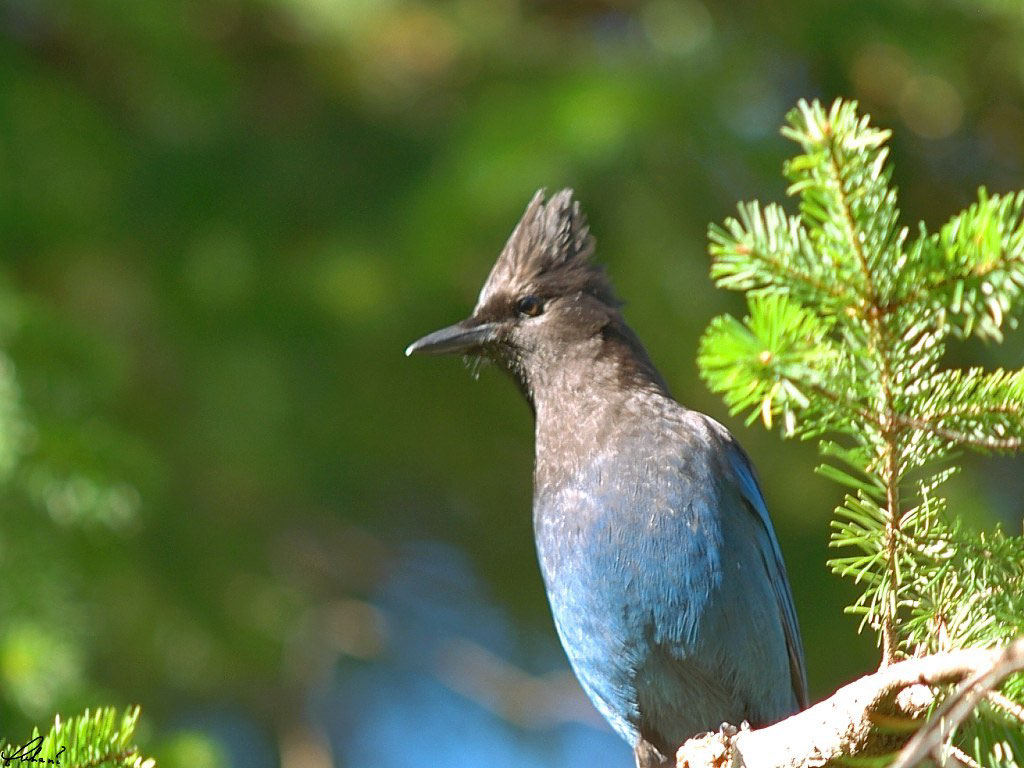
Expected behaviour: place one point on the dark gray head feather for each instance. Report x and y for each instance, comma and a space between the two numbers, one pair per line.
549, 253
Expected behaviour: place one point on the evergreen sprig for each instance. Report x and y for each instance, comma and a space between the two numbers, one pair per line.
100, 739
848, 319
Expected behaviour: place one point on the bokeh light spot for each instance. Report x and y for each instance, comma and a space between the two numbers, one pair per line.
931, 106
677, 27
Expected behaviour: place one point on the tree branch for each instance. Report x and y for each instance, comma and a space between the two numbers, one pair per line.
960, 705
1008, 444
831, 289
880, 345
843, 725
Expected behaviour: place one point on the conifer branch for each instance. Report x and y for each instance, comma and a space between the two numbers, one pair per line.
853, 238
934, 423
1008, 706
845, 339
765, 248
90, 740
984, 442
879, 347
962, 757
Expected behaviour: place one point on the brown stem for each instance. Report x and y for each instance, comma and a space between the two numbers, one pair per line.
889, 427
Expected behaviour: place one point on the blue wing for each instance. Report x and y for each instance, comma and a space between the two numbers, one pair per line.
773, 561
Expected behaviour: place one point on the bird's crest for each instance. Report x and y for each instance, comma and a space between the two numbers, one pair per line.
549, 252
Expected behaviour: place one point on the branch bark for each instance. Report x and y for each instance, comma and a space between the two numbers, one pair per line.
843, 725
960, 705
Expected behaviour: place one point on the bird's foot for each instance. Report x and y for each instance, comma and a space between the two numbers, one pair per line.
729, 730
648, 756
709, 750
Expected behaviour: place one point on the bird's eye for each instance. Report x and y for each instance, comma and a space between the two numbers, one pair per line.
529, 306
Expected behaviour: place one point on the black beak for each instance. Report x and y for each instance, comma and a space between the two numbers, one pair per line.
465, 337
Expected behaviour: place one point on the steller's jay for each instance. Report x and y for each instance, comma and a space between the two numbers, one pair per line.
661, 564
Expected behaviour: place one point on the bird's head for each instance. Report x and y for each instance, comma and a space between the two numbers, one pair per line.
547, 312
543, 297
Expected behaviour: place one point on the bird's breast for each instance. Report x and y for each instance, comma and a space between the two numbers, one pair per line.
627, 545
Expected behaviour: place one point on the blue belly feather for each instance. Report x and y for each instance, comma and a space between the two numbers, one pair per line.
668, 592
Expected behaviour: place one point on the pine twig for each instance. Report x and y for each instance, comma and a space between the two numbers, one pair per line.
880, 344
1007, 444
857, 350
961, 704
963, 758
1010, 707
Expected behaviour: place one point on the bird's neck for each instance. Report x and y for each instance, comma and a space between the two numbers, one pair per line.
582, 395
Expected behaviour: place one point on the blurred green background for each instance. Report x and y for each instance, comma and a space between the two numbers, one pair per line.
227, 496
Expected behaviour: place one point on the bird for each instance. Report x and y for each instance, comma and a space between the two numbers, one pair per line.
662, 568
